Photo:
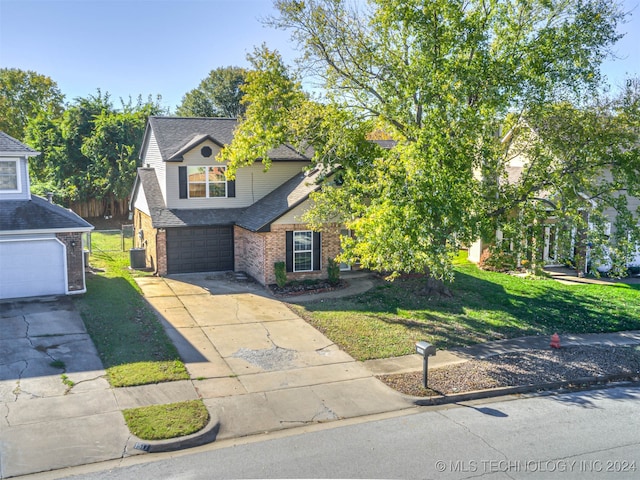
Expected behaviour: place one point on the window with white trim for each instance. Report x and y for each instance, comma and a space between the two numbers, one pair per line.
207, 182
9, 177
303, 251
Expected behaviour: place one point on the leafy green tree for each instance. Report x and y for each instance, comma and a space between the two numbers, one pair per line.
584, 161
218, 95
441, 78
91, 150
62, 167
113, 149
23, 95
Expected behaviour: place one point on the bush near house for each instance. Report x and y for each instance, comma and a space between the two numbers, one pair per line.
281, 274
497, 260
333, 272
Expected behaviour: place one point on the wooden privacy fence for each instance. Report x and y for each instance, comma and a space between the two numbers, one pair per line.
101, 208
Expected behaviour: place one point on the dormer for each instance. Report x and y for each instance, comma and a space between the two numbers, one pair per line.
14, 170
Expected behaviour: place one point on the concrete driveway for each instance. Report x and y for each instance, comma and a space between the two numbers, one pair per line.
45, 424
257, 366
255, 363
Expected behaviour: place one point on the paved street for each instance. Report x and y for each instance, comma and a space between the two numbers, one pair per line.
591, 434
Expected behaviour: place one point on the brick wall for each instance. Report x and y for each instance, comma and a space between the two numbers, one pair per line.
249, 253
75, 260
275, 250
254, 253
161, 252
155, 254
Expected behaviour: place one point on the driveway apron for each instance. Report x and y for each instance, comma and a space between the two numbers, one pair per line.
255, 363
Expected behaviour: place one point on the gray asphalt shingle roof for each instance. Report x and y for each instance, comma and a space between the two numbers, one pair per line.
196, 217
8, 144
38, 214
176, 135
290, 194
256, 217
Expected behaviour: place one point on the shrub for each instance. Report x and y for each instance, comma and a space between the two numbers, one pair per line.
496, 260
281, 273
334, 272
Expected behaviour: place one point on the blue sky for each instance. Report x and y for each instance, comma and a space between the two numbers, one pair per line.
167, 47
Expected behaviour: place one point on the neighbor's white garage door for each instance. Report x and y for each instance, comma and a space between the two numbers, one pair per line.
32, 268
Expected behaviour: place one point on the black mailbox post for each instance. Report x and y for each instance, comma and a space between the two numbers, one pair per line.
426, 350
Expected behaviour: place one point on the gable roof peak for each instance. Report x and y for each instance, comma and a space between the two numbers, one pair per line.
176, 135
9, 145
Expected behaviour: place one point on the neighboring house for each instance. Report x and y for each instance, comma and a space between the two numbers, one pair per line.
545, 246
40, 243
189, 218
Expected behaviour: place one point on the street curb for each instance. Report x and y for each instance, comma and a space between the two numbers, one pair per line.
582, 383
206, 435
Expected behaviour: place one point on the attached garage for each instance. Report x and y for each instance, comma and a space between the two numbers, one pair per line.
34, 267
40, 242
199, 249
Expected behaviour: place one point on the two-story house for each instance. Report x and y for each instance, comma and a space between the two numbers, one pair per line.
190, 218
546, 245
40, 243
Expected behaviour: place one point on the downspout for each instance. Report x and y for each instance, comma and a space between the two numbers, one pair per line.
156, 243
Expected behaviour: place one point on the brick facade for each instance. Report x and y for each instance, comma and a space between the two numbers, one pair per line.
153, 241
161, 251
249, 253
256, 253
75, 260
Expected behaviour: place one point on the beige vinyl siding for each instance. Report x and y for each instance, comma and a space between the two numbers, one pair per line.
141, 201
252, 183
153, 159
633, 203
294, 215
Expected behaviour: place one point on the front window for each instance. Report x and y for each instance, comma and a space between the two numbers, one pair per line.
9, 175
207, 182
303, 251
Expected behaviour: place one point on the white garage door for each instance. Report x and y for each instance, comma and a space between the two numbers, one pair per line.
32, 268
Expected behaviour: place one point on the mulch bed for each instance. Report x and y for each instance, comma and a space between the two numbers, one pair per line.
304, 288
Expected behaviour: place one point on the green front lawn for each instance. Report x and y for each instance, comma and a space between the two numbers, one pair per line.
130, 340
390, 318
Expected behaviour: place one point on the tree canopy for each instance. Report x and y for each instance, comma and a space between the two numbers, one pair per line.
91, 150
445, 80
24, 94
218, 95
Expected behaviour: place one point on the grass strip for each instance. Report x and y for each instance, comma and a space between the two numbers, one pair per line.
133, 346
159, 422
142, 373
